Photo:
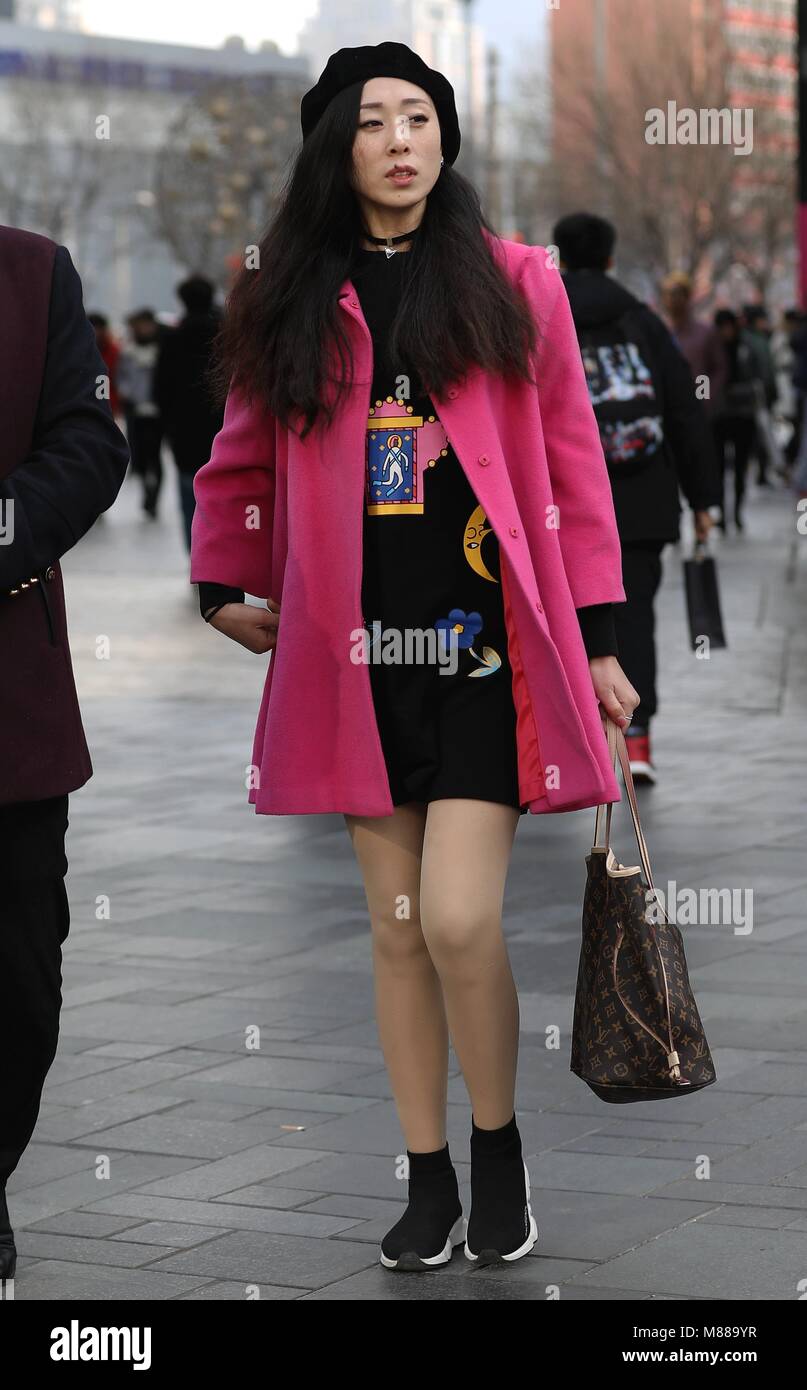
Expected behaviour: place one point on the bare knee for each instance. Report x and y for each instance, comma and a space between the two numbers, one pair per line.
399, 941
461, 934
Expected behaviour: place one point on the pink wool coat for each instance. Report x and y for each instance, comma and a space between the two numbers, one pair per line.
283, 518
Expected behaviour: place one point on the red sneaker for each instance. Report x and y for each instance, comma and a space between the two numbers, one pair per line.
641, 764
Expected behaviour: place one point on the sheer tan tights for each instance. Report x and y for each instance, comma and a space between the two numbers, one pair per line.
434, 877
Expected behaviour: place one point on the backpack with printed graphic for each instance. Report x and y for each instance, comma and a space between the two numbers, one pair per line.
620, 385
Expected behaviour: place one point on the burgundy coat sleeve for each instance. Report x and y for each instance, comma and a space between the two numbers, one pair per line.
231, 537
581, 488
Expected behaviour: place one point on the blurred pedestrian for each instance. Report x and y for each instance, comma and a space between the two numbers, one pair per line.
790, 400
144, 428
62, 464
699, 342
109, 348
734, 422
655, 437
757, 330
191, 418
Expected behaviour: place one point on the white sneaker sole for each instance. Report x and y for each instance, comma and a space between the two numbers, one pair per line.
528, 1243
410, 1260
642, 772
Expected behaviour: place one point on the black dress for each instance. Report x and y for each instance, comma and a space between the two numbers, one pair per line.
444, 707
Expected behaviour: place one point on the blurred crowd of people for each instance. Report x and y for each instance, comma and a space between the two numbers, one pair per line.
158, 388
683, 404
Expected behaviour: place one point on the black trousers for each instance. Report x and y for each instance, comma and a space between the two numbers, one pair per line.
34, 922
735, 438
144, 437
635, 623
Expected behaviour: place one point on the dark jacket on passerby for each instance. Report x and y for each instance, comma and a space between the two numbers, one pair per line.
647, 503
744, 391
190, 417
62, 463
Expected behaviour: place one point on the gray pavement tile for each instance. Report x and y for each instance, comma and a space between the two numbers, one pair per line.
121, 1078
237, 1170
770, 1078
45, 1163
711, 1261
583, 1172
363, 1208
221, 1291
715, 1190
773, 1218
82, 1188
60, 1280
278, 1259
267, 1097
764, 1160
595, 1226
83, 1223
535, 1277
77, 1121
181, 1134
229, 1213
127, 1051
288, 1073
167, 1234
123, 1251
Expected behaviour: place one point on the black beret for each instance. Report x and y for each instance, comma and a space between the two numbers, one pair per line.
351, 65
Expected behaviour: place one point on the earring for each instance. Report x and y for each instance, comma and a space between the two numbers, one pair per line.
441, 159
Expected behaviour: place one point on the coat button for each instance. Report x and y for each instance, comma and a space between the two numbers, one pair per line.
483, 459
355, 303
513, 530
50, 572
452, 393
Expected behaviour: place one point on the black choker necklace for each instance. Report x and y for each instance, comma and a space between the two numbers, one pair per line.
388, 242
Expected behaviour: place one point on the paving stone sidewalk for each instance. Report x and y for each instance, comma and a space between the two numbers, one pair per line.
171, 1162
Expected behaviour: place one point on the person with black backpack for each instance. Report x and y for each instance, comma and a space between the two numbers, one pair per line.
655, 439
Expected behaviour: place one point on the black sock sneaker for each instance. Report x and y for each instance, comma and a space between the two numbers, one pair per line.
433, 1222
501, 1225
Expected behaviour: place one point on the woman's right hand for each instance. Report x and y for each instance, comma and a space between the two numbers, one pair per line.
254, 627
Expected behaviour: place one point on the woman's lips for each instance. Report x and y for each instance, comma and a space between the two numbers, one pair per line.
401, 178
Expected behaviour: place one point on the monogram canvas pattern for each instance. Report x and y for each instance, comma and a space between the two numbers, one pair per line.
637, 1034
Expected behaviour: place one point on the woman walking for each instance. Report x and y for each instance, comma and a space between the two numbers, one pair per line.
409, 449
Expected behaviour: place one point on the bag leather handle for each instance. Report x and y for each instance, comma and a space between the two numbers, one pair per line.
617, 748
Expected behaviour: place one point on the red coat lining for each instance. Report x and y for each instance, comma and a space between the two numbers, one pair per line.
531, 782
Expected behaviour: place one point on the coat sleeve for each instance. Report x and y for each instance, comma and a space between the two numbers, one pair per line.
79, 457
231, 535
581, 488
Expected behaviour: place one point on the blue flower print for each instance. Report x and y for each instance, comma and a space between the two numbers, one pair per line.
463, 628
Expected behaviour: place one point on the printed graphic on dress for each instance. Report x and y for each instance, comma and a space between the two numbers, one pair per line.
463, 629
401, 445
476, 531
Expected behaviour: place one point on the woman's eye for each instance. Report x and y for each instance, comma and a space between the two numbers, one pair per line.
372, 121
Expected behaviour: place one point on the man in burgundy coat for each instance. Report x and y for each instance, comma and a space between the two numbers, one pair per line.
62, 462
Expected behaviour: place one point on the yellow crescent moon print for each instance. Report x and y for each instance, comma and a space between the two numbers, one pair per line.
475, 533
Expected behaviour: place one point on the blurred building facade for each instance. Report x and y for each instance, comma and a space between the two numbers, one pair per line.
58, 178
618, 60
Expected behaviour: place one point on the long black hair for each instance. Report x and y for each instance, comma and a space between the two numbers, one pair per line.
282, 334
